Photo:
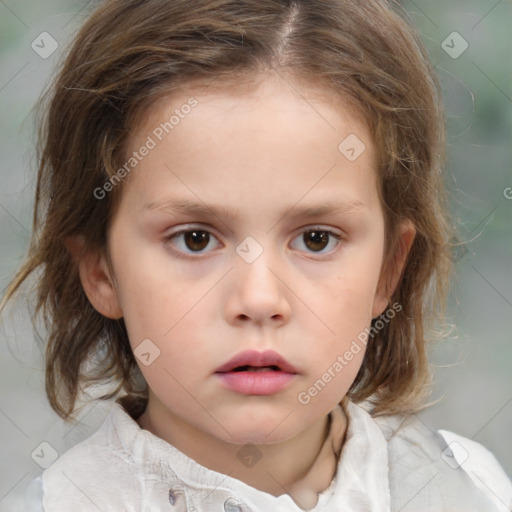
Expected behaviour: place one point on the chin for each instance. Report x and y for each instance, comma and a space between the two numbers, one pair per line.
265, 429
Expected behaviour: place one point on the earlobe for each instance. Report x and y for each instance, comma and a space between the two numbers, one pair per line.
393, 269
96, 278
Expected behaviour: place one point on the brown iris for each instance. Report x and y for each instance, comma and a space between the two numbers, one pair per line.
318, 240
196, 240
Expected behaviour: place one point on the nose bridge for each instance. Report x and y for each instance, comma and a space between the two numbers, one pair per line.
260, 289
259, 261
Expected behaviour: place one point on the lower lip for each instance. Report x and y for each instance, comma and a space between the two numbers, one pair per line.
256, 383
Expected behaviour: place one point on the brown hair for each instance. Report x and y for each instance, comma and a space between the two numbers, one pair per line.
130, 53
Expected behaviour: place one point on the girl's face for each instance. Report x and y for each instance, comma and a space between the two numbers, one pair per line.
250, 221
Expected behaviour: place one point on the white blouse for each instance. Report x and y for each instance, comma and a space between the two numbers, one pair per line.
387, 464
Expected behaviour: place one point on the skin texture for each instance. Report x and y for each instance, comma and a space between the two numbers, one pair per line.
262, 154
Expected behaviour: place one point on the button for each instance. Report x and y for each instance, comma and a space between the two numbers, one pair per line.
232, 505
172, 497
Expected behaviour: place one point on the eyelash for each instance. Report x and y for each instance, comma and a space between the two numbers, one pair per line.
331, 234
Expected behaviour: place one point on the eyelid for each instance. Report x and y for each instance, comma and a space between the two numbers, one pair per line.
320, 227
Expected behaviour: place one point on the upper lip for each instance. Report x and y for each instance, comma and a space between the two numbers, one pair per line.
257, 359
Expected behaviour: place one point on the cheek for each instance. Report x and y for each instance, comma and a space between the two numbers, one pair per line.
168, 312
178, 355
344, 304
348, 295
150, 292
148, 310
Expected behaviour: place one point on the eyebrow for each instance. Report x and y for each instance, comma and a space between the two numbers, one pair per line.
189, 207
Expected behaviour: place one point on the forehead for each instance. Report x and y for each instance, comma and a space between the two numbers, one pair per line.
235, 139
271, 96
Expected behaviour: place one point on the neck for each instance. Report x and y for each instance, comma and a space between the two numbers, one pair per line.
280, 467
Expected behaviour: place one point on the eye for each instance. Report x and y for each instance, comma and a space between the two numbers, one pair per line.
317, 239
195, 240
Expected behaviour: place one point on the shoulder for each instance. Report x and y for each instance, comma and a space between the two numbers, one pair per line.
81, 474
30, 498
482, 467
460, 466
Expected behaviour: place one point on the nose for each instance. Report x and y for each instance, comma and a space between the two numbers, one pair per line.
258, 293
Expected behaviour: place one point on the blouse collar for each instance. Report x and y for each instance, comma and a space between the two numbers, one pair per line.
361, 480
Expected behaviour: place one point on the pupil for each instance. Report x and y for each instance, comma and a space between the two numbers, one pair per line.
196, 240
317, 238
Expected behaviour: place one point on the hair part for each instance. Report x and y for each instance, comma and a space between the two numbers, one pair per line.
131, 53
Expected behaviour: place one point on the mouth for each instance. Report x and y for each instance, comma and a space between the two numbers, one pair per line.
247, 368
254, 361
256, 373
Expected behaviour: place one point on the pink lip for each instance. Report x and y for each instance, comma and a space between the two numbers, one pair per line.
260, 382
255, 358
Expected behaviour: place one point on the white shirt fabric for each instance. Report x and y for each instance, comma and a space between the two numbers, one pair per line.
387, 464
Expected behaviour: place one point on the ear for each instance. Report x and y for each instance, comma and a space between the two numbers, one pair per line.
96, 277
393, 268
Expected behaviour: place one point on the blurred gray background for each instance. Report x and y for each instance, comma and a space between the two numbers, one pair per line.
473, 370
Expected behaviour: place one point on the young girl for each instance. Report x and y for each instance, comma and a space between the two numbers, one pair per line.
240, 225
